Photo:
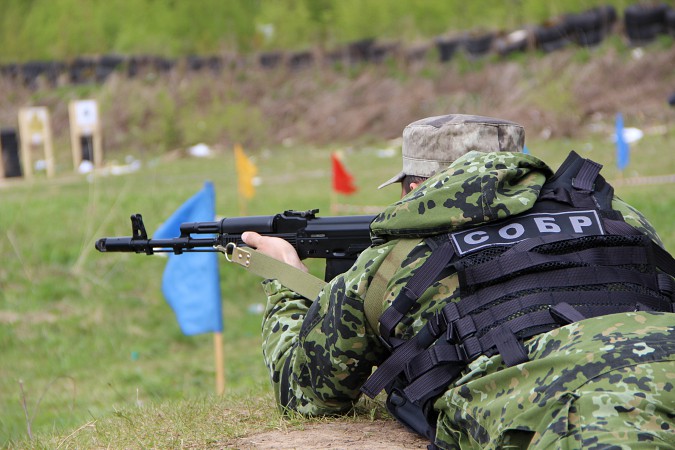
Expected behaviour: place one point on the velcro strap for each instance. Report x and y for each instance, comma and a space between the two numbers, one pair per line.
564, 313
509, 347
586, 176
666, 284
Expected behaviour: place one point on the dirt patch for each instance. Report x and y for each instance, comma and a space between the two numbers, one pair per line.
379, 434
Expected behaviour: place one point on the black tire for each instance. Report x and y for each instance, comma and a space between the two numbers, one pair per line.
479, 45
270, 60
551, 38
643, 23
670, 22
586, 28
446, 48
82, 70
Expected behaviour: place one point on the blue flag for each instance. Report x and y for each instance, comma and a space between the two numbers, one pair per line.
191, 283
526, 150
622, 150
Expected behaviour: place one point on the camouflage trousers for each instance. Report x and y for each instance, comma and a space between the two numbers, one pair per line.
602, 383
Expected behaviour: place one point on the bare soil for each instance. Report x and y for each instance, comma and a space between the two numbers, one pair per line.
379, 434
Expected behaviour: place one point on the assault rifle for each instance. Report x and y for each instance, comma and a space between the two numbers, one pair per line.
339, 240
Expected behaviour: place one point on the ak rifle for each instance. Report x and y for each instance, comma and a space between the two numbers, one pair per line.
338, 239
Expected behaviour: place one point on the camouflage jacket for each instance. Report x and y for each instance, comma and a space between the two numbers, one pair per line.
319, 352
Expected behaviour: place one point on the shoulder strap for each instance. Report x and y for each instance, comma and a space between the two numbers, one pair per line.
265, 266
376, 291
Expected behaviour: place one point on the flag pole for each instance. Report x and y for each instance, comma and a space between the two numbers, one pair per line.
220, 363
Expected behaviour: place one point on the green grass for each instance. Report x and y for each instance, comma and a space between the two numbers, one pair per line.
63, 29
87, 341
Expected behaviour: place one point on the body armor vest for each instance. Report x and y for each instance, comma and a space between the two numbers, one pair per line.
569, 258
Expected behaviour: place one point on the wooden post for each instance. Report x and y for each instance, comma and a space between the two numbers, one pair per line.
35, 130
84, 122
220, 363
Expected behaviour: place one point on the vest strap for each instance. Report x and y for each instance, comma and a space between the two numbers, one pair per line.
374, 301
424, 276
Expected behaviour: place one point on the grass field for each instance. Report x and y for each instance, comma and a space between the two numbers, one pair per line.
91, 355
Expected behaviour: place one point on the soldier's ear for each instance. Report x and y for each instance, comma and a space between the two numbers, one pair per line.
405, 191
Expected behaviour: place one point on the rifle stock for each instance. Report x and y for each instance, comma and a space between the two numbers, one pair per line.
338, 239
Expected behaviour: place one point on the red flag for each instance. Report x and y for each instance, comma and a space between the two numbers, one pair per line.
343, 182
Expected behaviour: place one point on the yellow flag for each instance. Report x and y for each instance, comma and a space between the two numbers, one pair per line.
246, 171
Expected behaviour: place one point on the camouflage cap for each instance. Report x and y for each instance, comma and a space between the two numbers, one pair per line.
433, 143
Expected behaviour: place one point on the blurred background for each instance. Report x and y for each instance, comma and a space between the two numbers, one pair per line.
170, 74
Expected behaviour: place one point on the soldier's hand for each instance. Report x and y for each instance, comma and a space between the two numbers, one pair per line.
274, 247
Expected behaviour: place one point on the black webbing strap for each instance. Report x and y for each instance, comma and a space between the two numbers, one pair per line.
566, 277
428, 384
514, 260
424, 368
424, 276
585, 179
502, 339
511, 349
396, 362
520, 325
441, 353
619, 227
663, 260
565, 314
466, 345
588, 303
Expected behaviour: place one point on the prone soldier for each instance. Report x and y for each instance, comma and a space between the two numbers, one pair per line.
504, 305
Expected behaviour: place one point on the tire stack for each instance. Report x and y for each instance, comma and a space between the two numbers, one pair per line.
552, 36
446, 48
643, 23
478, 44
589, 28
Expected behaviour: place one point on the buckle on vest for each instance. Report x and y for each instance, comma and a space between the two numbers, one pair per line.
450, 313
437, 325
469, 349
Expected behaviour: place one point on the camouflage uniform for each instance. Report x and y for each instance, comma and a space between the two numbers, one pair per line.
600, 381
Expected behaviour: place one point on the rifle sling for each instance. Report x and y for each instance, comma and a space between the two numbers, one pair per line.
265, 266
